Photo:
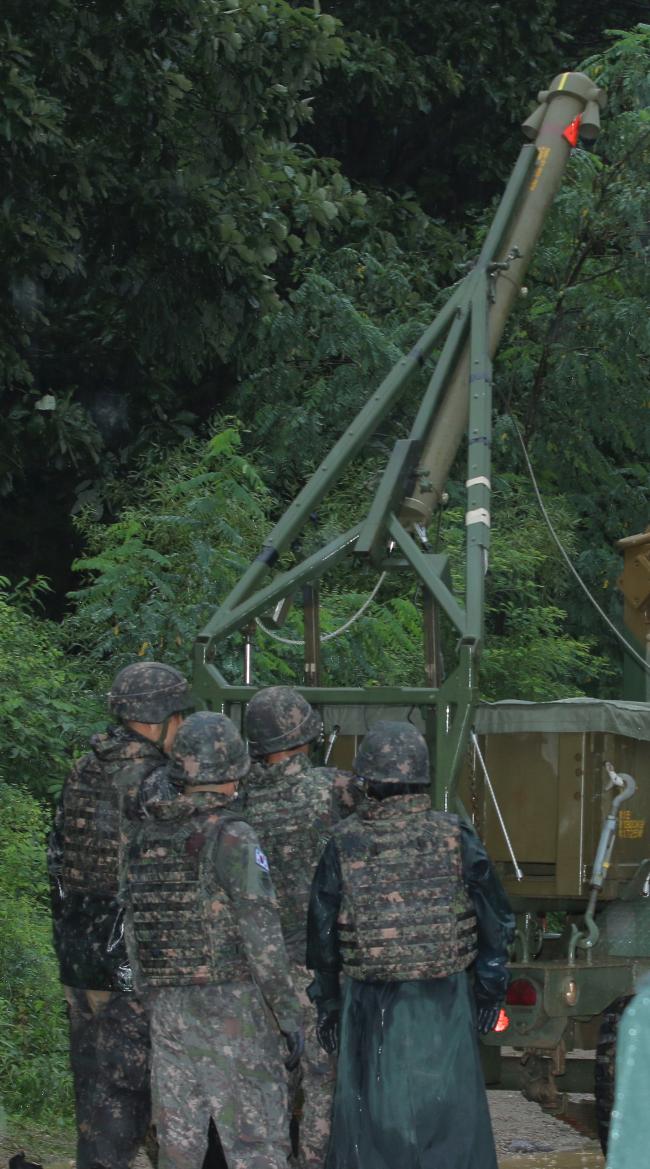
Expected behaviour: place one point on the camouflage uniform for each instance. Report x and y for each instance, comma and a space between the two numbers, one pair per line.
109, 1034
204, 938
294, 807
396, 901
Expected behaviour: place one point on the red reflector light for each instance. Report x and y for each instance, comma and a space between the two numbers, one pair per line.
521, 993
503, 1022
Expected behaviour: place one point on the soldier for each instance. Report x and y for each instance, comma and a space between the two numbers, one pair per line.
205, 943
109, 1039
294, 807
395, 904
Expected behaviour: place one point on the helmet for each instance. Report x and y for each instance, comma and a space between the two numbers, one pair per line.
393, 752
278, 719
149, 692
208, 749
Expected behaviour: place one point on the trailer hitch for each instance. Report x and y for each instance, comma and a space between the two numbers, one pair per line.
578, 939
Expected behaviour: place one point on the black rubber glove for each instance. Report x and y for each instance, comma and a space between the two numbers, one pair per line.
295, 1041
327, 1030
487, 1017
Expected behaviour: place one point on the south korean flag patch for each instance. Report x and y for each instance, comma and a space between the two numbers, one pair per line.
261, 860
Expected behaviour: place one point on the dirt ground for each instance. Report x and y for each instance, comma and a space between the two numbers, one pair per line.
526, 1138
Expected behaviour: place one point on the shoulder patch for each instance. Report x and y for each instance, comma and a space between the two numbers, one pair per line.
260, 859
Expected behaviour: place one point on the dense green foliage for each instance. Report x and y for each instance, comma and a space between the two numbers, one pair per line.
436, 74
162, 194
47, 709
428, 98
34, 1078
575, 367
152, 190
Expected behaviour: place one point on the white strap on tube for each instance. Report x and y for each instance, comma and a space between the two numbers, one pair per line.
480, 515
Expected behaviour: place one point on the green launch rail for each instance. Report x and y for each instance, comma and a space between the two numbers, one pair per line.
457, 402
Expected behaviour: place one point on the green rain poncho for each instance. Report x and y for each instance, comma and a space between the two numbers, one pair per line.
629, 1133
410, 1091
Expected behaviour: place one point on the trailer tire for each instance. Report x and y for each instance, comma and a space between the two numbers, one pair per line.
604, 1085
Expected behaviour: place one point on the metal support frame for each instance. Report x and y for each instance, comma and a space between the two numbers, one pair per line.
454, 701
450, 706
467, 327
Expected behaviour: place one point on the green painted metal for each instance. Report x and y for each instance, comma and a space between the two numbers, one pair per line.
372, 538
393, 533
403, 697
227, 619
479, 442
420, 563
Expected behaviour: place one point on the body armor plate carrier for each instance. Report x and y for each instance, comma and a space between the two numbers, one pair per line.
181, 926
292, 815
90, 830
405, 912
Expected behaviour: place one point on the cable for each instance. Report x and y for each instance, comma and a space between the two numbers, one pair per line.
565, 556
477, 751
335, 632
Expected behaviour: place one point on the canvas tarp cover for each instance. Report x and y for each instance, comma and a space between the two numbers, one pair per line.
512, 717
591, 715
631, 719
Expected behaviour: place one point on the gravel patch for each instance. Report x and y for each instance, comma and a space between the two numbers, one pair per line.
521, 1127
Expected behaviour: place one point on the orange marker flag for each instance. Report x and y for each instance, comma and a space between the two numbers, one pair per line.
572, 131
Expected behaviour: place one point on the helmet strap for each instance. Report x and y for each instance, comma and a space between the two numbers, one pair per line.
164, 727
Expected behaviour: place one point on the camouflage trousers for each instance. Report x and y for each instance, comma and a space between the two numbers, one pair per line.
109, 1056
217, 1053
312, 1096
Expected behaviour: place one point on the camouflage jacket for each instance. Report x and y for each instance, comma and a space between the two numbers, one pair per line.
200, 907
294, 808
83, 852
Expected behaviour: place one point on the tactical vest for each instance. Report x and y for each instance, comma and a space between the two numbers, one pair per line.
90, 829
405, 913
288, 813
118, 764
181, 928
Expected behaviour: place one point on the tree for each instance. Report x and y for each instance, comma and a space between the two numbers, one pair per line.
152, 189
575, 365
430, 95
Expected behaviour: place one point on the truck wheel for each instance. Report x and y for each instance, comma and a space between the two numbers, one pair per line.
606, 1066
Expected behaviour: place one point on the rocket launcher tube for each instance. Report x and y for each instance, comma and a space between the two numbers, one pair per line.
570, 96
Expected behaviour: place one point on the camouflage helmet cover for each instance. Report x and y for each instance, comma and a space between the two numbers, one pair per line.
278, 719
208, 749
393, 752
149, 692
